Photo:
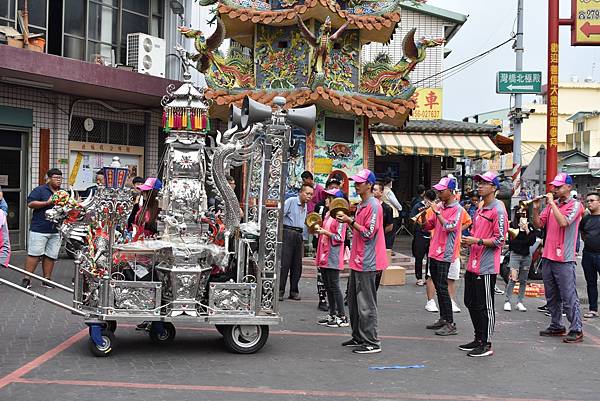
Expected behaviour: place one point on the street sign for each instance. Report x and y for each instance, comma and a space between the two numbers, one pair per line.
511, 82
585, 31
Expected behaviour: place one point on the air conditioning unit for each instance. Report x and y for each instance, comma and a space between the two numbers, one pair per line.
146, 54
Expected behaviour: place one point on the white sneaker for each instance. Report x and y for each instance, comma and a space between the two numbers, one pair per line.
430, 306
455, 308
507, 306
521, 307
498, 291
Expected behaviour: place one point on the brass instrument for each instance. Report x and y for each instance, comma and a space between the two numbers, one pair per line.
513, 232
524, 204
422, 212
418, 215
313, 221
338, 205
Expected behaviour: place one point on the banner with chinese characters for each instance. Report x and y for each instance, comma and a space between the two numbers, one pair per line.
428, 104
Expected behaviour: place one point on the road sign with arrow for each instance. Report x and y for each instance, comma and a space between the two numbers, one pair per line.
585, 26
511, 82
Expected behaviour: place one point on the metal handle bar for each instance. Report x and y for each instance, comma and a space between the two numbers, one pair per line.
43, 297
45, 280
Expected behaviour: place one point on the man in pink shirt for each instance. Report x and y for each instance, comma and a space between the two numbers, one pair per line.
318, 190
367, 256
488, 234
445, 221
561, 220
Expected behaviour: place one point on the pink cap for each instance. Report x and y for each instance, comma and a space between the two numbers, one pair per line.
332, 191
445, 183
488, 176
562, 179
364, 175
150, 184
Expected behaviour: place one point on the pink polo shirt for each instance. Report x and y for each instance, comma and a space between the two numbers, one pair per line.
368, 245
560, 242
444, 245
318, 195
330, 250
489, 222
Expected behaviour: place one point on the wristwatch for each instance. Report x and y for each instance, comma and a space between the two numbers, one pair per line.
437, 212
480, 241
352, 223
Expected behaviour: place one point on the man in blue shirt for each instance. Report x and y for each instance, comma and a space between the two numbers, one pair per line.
44, 239
294, 214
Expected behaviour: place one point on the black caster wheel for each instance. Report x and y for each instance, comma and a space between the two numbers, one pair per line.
162, 335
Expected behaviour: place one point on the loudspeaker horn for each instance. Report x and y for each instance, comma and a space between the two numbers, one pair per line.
254, 112
235, 115
303, 117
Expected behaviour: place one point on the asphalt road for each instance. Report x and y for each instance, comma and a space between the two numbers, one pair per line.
44, 356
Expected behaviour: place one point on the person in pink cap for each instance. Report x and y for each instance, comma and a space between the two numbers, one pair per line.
488, 233
367, 256
445, 221
146, 218
561, 221
330, 260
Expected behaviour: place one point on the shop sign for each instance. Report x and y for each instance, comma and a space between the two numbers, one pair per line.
585, 30
323, 165
593, 164
428, 104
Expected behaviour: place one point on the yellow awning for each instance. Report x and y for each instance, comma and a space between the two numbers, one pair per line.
432, 144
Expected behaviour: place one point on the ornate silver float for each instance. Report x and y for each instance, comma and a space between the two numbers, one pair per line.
214, 265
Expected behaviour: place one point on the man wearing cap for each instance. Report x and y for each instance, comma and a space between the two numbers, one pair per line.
445, 221
561, 220
367, 256
488, 234
294, 215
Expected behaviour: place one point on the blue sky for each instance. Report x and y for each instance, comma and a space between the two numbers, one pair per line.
491, 22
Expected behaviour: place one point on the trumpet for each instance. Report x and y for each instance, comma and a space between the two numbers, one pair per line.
525, 203
421, 212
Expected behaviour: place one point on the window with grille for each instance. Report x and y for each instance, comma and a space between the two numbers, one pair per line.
112, 132
97, 29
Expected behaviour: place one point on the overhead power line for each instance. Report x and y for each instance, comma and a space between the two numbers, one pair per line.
448, 72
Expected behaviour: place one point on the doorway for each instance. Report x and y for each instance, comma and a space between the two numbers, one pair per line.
13, 180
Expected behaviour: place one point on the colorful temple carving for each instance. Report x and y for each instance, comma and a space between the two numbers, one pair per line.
309, 51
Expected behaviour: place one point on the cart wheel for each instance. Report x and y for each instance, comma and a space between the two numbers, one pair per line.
108, 343
111, 325
221, 328
162, 332
246, 339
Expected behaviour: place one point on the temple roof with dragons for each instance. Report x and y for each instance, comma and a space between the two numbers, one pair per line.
309, 51
377, 19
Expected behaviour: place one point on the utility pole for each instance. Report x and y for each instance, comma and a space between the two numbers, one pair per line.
516, 113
